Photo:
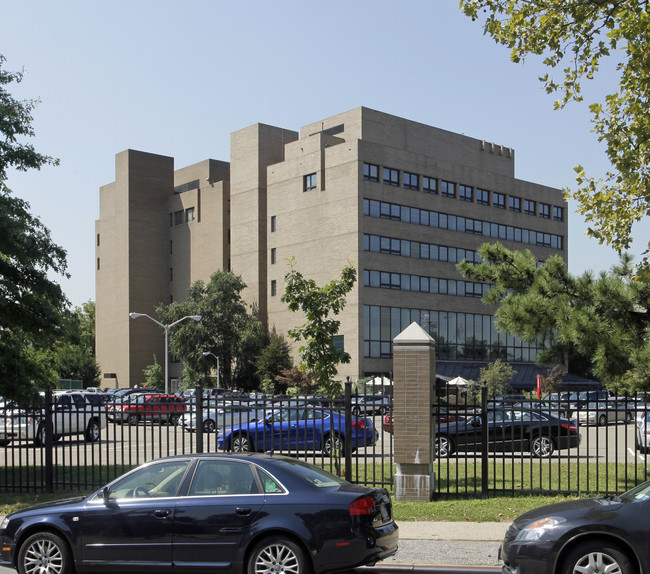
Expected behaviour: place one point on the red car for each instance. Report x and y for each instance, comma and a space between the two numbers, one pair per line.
145, 407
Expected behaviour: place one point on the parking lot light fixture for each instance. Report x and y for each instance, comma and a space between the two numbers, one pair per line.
205, 354
166, 329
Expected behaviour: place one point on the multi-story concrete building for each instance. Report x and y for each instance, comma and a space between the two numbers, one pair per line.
404, 202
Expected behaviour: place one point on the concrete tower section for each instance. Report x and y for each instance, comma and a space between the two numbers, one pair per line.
159, 230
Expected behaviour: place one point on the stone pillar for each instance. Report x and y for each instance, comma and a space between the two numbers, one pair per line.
414, 374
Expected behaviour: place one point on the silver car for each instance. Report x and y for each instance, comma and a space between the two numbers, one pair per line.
219, 416
604, 412
642, 433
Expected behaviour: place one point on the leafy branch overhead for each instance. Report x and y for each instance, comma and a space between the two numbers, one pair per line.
575, 36
318, 354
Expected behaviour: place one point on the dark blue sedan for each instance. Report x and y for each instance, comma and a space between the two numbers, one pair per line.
246, 513
298, 429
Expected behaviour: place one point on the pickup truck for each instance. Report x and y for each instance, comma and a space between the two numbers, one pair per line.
73, 413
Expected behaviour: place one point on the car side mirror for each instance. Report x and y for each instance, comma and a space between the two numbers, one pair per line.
106, 495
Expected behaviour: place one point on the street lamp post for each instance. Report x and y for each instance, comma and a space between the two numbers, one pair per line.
205, 354
166, 329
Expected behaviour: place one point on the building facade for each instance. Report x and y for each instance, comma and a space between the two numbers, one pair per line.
403, 201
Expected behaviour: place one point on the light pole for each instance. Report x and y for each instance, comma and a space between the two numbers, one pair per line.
166, 328
205, 354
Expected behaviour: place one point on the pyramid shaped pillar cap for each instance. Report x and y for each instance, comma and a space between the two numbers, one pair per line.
414, 335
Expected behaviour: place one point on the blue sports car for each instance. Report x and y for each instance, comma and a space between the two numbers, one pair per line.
298, 429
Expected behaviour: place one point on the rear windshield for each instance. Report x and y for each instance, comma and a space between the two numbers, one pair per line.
314, 475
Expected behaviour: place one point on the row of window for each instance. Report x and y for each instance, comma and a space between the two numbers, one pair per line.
391, 176
416, 216
420, 284
418, 249
460, 336
181, 216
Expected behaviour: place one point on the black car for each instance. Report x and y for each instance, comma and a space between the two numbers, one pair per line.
589, 536
242, 513
508, 430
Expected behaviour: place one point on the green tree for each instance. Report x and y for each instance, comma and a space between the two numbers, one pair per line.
31, 304
74, 353
576, 35
318, 354
226, 329
274, 358
154, 378
497, 376
604, 318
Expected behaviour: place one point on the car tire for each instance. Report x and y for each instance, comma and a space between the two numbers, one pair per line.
542, 446
41, 436
45, 548
93, 431
209, 425
602, 420
444, 446
594, 556
4, 442
628, 417
382, 411
356, 411
173, 419
240, 443
278, 554
333, 443
133, 420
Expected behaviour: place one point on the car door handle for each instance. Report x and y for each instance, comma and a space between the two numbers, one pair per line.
161, 513
243, 511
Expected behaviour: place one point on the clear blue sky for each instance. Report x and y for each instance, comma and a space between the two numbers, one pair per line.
176, 78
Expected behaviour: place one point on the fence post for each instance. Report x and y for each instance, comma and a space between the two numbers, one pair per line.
347, 445
199, 417
484, 442
414, 367
49, 441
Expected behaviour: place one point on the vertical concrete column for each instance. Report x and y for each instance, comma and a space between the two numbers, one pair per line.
414, 374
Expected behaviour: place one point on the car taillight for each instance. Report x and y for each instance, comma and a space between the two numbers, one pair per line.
362, 506
570, 427
359, 424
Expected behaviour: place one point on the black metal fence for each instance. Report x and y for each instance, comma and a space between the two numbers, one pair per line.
76, 441
485, 445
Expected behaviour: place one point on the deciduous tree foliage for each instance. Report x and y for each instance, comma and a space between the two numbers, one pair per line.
604, 317
31, 304
226, 329
318, 354
575, 36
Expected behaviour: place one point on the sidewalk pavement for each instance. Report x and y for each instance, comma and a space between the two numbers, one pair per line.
445, 544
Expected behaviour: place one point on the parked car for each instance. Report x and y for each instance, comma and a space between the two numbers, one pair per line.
509, 430
217, 415
370, 405
593, 535
442, 416
298, 429
147, 407
73, 413
642, 432
560, 409
604, 412
246, 513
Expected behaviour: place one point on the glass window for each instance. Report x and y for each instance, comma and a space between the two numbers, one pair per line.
530, 207
189, 214
498, 200
274, 288
179, 217
514, 203
482, 196
558, 213
273, 224
223, 477
447, 189
411, 181
155, 480
370, 172
273, 256
465, 193
545, 210
429, 184
310, 182
391, 176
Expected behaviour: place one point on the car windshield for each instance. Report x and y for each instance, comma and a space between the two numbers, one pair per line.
638, 493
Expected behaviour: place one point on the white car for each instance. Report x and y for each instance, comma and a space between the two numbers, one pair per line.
642, 432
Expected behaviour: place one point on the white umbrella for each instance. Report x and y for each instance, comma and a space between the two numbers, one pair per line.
458, 381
